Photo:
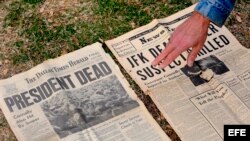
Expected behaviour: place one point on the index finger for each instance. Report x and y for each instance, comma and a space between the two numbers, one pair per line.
170, 47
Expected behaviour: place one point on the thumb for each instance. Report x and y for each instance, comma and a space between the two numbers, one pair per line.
192, 55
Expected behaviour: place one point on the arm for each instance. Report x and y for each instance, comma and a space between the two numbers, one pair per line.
193, 32
216, 11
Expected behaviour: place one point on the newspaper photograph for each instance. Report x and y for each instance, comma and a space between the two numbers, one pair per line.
80, 109
204, 70
78, 96
197, 101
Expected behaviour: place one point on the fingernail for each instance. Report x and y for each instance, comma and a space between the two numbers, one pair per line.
161, 67
190, 64
153, 63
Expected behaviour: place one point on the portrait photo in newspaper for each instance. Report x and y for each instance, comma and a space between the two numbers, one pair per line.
204, 70
74, 111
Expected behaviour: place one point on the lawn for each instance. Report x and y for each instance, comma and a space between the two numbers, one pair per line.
32, 31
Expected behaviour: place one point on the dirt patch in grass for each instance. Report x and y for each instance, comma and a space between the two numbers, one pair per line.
239, 22
58, 12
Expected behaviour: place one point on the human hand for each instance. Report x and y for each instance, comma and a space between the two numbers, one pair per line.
191, 33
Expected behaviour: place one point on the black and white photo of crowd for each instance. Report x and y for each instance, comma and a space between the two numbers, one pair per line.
203, 70
73, 111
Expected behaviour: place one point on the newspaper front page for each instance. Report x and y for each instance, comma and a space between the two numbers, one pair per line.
196, 101
81, 96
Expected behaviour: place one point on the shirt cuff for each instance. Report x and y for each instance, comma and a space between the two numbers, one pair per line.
216, 11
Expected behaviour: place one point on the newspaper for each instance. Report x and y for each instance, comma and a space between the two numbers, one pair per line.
78, 96
196, 101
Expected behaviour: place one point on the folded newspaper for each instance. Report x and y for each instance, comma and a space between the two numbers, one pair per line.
196, 101
81, 96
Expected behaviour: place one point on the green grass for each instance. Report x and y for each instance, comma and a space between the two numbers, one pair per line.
41, 40
32, 1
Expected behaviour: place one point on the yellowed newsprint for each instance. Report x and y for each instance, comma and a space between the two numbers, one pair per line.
81, 96
196, 101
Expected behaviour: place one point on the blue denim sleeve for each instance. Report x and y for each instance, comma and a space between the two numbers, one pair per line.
216, 11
